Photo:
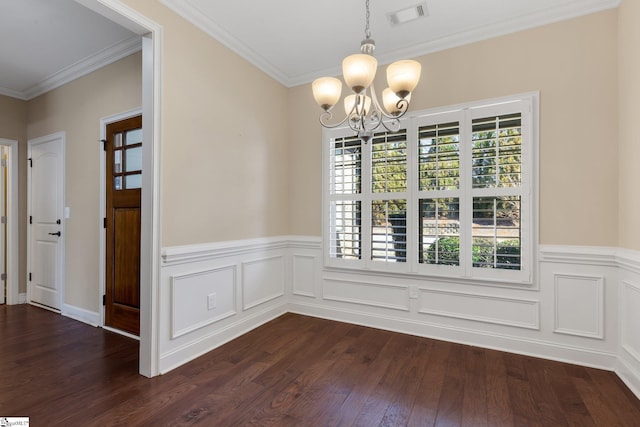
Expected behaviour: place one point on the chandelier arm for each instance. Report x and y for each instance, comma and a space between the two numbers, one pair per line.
402, 104
375, 119
326, 116
392, 125
355, 118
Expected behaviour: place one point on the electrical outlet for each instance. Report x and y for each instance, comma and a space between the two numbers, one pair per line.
211, 301
413, 292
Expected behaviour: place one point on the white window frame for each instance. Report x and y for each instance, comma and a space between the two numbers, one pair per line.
528, 105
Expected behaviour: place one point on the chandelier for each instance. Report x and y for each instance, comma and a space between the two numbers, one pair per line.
363, 111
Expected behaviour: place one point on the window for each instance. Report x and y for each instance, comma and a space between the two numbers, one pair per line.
450, 194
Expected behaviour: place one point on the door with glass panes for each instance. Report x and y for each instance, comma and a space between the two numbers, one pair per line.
124, 181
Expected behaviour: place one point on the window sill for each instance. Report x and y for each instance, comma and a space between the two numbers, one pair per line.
432, 277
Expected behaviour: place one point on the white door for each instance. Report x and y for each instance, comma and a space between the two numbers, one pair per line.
3, 223
46, 208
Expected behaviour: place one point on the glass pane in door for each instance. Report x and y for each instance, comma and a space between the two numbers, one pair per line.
133, 159
133, 137
133, 181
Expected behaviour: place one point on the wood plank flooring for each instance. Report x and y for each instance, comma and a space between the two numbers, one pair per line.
293, 371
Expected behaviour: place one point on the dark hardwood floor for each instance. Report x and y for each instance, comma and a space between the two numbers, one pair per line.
293, 371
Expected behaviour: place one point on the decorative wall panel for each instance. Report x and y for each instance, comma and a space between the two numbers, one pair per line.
521, 313
372, 294
262, 281
192, 295
304, 275
579, 305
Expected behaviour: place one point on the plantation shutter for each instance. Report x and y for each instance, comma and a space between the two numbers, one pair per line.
450, 195
345, 188
497, 180
389, 192
439, 190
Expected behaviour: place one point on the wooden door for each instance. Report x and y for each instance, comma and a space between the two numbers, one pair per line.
124, 181
46, 208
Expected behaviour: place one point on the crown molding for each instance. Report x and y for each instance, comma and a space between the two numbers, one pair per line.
12, 93
196, 17
81, 68
525, 22
87, 65
544, 17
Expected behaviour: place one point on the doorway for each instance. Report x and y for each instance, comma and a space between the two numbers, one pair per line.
3, 224
123, 183
9, 224
151, 34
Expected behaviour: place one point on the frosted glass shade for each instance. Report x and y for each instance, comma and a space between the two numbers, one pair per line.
359, 70
327, 91
350, 100
403, 76
390, 101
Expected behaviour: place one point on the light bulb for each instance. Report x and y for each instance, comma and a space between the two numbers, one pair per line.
403, 76
327, 91
359, 70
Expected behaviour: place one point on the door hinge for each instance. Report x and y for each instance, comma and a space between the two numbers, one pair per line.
104, 144
29, 276
104, 300
3, 220
30, 219
30, 162
3, 276
3, 162
104, 222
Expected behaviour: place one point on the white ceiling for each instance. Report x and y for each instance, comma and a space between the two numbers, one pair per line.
46, 43
295, 41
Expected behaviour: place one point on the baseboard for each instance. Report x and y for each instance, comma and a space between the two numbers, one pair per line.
629, 375
22, 298
119, 332
510, 344
195, 349
80, 314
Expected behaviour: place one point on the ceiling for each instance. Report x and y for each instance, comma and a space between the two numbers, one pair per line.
293, 41
47, 43
296, 41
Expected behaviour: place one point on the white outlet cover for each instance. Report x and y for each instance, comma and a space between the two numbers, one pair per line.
211, 301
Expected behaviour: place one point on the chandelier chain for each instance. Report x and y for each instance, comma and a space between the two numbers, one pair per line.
367, 31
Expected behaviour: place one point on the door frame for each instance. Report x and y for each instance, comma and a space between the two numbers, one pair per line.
61, 136
12, 236
4, 193
104, 122
151, 33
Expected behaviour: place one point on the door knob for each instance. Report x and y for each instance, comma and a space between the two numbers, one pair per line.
56, 234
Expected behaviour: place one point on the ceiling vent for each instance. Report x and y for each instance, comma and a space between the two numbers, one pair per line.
408, 14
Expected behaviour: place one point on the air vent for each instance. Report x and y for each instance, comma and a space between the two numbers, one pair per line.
408, 14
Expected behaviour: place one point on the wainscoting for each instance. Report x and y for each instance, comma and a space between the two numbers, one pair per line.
210, 294
583, 309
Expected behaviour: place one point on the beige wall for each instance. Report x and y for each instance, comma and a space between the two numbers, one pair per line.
574, 66
76, 108
13, 125
224, 140
229, 176
629, 83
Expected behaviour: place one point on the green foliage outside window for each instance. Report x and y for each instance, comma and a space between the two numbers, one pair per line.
446, 250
